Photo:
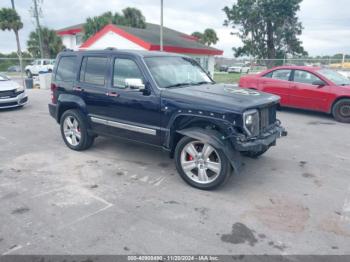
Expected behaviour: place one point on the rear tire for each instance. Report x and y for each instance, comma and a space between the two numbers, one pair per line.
74, 130
202, 170
341, 111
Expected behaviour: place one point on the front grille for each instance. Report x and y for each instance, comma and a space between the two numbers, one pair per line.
8, 104
8, 94
267, 117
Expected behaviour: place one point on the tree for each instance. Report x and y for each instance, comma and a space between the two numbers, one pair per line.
133, 17
52, 44
10, 20
267, 28
209, 37
198, 35
130, 17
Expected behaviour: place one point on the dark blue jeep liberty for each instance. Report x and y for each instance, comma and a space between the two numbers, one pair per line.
164, 100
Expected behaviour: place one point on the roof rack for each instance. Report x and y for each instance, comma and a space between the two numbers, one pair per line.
67, 50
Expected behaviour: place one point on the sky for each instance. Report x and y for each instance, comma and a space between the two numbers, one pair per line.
326, 23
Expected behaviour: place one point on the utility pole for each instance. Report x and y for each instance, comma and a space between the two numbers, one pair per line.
161, 25
38, 28
19, 51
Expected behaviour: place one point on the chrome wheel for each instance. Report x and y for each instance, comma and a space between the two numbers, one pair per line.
71, 130
200, 162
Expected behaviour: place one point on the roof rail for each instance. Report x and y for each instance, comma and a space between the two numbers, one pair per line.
111, 48
67, 50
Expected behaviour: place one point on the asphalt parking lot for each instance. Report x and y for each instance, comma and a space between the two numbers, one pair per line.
124, 198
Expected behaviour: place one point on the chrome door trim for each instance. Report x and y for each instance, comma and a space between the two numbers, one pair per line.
129, 127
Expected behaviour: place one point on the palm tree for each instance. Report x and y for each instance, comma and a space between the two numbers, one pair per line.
52, 44
208, 38
133, 17
10, 20
130, 17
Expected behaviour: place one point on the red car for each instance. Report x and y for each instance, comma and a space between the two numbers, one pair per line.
312, 88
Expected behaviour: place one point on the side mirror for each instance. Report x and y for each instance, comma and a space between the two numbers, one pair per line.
135, 83
318, 83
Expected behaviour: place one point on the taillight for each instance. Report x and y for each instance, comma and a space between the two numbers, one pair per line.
53, 95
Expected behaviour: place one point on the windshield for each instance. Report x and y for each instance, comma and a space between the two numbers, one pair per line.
335, 77
3, 78
175, 71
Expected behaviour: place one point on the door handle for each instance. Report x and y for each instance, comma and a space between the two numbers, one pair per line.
78, 88
112, 94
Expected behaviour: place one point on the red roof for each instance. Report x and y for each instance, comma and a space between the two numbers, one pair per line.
148, 38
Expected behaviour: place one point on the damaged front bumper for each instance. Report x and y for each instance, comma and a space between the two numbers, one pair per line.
263, 141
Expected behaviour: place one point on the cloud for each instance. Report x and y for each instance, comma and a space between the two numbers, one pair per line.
326, 23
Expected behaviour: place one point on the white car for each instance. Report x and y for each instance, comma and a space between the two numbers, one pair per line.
238, 68
12, 94
39, 65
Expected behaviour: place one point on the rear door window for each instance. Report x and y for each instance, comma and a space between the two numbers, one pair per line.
66, 69
281, 74
93, 70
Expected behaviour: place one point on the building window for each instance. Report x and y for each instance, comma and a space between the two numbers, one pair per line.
78, 39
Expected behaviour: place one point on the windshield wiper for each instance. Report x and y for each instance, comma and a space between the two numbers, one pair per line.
202, 83
178, 85
189, 83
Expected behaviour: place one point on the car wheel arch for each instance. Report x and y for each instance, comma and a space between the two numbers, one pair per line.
214, 138
330, 110
66, 102
183, 122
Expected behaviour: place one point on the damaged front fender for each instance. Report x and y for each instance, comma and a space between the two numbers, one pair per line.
217, 140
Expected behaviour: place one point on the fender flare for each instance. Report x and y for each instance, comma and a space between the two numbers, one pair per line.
214, 138
70, 101
171, 129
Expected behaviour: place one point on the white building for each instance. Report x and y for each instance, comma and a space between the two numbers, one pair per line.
123, 37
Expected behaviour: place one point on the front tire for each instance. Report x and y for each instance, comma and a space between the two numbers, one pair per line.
200, 164
341, 111
74, 130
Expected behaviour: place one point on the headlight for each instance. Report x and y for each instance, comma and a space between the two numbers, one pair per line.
251, 122
19, 89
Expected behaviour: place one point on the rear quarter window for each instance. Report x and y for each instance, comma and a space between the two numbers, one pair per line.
66, 69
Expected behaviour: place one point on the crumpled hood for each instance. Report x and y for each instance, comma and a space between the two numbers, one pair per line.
8, 85
222, 95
